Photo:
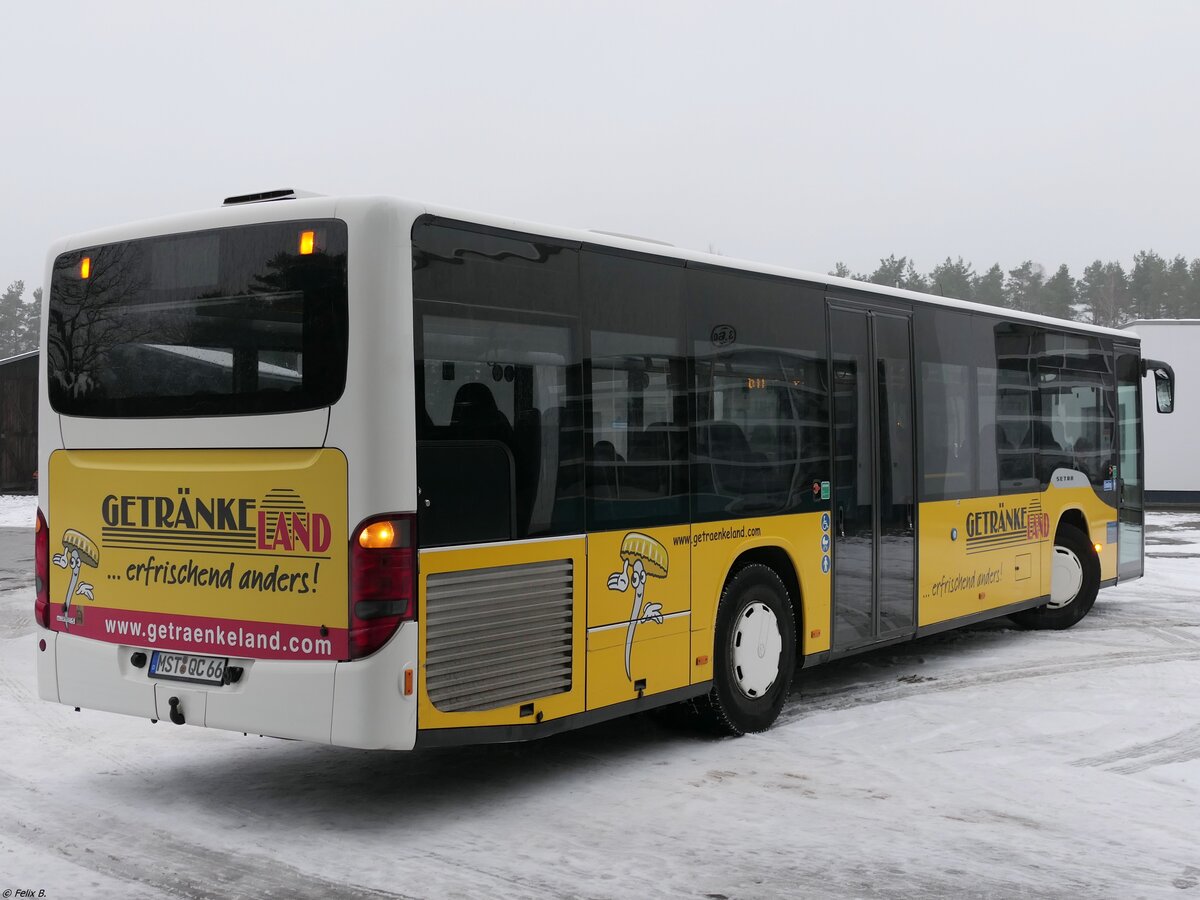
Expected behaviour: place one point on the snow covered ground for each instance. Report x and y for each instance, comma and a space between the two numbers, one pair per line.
17, 511
989, 762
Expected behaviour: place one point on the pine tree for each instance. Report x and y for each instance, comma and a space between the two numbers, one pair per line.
19, 320
1177, 289
1191, 305
1058, 294
1148, 286
1023, 287
989, 287
11, 318
890, 271
1104, 290
953, 278
841, 270
32, 325
912, 280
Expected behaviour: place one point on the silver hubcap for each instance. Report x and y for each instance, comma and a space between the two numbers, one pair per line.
1066, 578
757, 647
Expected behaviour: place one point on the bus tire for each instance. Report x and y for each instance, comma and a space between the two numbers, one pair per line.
754, 653
1074, 582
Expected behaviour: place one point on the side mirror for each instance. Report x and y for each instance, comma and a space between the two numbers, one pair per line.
1164, 383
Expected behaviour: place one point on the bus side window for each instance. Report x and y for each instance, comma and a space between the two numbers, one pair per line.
498, 404
1078, 406
950, 433
636, 436
761, 397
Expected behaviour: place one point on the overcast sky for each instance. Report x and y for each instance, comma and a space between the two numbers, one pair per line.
793, 133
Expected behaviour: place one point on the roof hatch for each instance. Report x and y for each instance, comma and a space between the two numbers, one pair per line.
264, 196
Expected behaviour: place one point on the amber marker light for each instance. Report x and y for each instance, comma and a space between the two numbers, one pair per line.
1098, 547
377, 535
308, 240
85, 267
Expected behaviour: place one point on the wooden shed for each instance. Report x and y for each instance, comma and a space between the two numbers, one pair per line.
18, 423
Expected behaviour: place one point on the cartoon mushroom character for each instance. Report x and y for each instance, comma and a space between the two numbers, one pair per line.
642, 557
77, 550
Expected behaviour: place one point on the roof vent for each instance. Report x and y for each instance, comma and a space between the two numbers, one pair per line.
264, 196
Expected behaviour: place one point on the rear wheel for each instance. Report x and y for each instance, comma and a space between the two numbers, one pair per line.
754, 653
1074, 582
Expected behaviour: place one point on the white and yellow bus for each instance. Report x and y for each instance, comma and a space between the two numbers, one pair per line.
378, 474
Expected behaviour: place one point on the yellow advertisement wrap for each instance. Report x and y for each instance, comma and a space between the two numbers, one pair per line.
228, 552
632, 611
639, 612
806, 540
990, 552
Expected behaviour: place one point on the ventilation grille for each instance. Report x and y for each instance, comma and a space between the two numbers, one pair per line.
498, 636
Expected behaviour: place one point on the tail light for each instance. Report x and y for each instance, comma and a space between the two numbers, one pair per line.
383, 580
41, 570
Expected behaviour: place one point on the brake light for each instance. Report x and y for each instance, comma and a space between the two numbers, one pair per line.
383, 580
41, 570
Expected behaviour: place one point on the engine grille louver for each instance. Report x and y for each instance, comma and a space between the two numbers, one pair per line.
498, 636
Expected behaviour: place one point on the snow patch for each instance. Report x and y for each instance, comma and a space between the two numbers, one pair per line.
17, 511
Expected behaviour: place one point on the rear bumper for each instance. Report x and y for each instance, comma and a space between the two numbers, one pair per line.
348, 704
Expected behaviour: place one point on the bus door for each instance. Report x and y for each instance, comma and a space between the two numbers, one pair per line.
873, 502
1130, 509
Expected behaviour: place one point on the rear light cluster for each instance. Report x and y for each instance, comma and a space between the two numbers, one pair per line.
383, 580
41, 570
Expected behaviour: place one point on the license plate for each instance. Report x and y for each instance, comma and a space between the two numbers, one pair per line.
185, 667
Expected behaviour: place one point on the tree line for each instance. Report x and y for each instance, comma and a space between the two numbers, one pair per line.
1103, 294
19, 320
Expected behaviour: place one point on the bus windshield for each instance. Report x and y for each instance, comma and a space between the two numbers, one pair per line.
250, 319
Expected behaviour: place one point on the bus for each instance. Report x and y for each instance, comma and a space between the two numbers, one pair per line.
378, 474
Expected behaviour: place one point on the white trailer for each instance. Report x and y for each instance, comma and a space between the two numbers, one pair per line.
1172, 476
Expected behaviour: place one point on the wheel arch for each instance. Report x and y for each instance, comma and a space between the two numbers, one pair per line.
779, 561
1074, 517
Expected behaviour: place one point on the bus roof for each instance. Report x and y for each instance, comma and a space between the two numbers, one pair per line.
316, 205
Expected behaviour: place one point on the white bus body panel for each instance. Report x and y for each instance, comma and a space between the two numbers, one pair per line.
354, 704
371, 423
350, 704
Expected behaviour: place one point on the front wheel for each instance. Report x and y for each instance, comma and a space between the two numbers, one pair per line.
754, 653
1074, 582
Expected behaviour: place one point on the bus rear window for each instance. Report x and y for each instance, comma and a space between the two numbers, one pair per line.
233, 321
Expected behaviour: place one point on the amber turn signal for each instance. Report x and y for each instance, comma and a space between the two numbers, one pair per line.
377, 535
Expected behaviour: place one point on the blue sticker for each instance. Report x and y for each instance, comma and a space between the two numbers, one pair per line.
824, 543
1112, 532
825, 564
824, 521
1110, 485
